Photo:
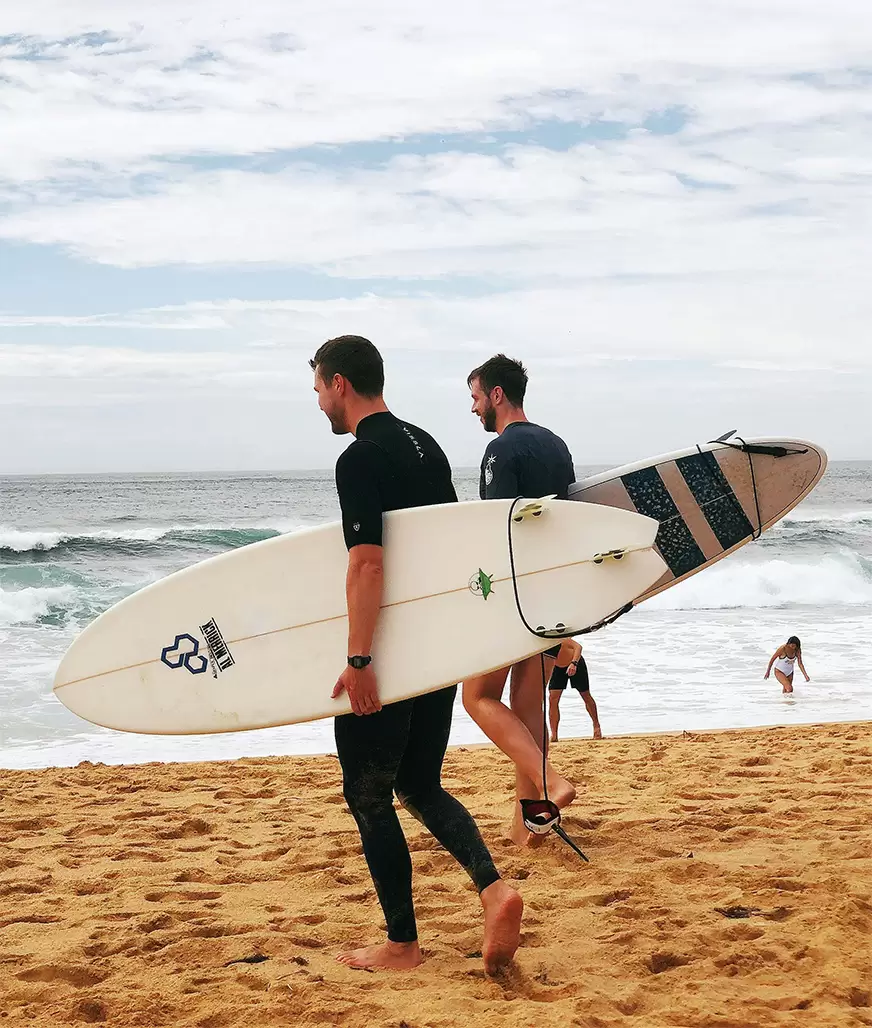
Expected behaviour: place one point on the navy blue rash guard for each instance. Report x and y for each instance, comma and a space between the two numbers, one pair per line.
526, 460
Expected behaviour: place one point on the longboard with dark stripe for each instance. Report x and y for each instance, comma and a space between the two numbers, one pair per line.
710, 500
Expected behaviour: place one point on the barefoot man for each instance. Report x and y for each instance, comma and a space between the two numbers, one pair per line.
400, 747
524, 460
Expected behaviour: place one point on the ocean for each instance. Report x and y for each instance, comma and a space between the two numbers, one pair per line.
690, 659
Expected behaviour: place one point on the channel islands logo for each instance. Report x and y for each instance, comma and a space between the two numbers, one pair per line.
184, 652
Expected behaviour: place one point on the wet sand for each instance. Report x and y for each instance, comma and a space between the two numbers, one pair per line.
730, 885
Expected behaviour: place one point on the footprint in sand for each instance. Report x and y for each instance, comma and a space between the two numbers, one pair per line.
78, 977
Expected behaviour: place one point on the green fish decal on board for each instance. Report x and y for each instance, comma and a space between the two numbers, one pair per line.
481, 583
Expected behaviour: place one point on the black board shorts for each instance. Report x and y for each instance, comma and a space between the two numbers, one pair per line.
580, 680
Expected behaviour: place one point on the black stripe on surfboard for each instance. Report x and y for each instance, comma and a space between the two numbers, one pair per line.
674, 539
716, 499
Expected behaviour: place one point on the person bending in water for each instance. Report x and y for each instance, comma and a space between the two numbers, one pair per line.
784, 659
524, 460
400, 747
570, 669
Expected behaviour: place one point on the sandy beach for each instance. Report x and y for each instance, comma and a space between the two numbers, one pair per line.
730, 885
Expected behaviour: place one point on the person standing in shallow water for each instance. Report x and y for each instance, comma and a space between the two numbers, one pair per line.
784, 659
400, 747
570, 668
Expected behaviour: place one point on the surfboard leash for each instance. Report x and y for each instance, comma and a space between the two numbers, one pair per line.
759, 532
541, 816
749, 449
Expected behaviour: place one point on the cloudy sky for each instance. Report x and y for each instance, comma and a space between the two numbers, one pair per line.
664, 209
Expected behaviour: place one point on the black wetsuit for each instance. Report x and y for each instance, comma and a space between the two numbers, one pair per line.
390, 466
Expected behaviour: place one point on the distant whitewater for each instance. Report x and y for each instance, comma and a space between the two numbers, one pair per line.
692, 657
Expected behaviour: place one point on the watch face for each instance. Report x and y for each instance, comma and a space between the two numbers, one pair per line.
358, 663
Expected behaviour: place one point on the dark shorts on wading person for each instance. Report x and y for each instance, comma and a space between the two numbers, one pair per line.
560, 678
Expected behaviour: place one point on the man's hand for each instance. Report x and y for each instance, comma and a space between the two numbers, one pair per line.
362, 688
571, 668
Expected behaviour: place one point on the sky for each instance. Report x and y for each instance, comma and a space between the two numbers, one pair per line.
663, 209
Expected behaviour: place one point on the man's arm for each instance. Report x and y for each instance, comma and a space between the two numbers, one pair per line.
363, 591
570, 651
360, 500
500, 476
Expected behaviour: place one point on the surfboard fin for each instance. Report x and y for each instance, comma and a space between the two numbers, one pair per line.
599, 558
532, 510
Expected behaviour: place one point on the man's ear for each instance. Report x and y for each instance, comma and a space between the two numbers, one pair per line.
497, 395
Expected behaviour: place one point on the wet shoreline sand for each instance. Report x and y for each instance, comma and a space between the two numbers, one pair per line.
730, 884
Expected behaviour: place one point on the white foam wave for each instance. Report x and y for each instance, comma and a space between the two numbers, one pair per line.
828, 517
839, 579
23, 606
22, 541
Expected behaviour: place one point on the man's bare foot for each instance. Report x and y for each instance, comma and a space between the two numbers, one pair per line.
503, 910
391, 956
560, 791
597, 732
554, 738
522, 836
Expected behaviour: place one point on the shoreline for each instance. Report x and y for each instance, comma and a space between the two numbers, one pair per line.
461, 746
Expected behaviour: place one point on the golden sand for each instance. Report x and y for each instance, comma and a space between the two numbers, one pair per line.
730, 885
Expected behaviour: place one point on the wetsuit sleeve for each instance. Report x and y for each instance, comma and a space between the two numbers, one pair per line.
360, 499
500, 476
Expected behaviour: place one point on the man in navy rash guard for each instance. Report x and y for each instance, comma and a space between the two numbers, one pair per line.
524, 460
400, 747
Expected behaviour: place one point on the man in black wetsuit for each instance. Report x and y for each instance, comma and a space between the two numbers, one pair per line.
524, 460
400, 747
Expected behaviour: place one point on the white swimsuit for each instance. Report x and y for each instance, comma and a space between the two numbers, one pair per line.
785, 665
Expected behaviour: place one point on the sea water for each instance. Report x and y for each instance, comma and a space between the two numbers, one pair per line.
692, 658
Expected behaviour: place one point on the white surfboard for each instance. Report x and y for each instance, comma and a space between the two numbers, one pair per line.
257, 637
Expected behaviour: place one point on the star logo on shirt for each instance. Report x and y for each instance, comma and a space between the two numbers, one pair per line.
489, 469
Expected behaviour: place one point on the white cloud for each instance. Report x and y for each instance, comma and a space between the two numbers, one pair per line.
737, 246
216, 78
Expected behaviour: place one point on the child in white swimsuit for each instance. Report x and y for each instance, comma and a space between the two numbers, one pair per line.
784, 659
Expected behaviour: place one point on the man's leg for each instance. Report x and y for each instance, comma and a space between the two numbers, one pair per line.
581, 682
481, 698
370, 749
590, 704
528, 704
554, 711
419, 788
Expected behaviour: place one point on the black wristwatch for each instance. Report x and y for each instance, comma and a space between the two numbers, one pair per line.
359, 663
